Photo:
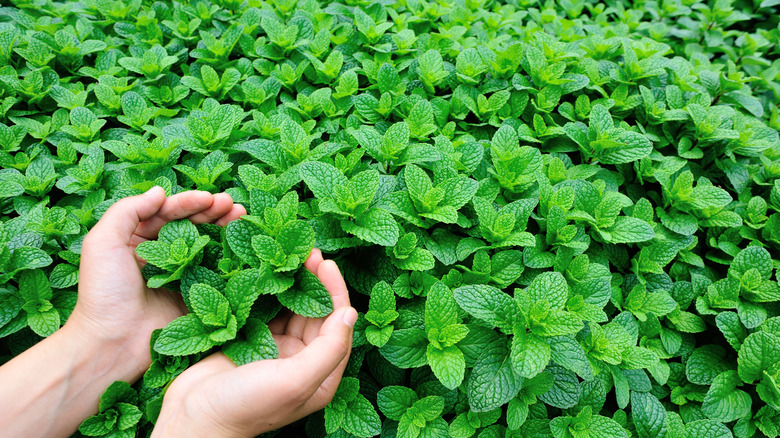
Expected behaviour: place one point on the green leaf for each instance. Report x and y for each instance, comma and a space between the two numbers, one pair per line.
241, 292
731, 328
488, 304
321, 178
406, 348
393, 401
649, 415
759, 351
376, 226
34, 286
550, 286
493, 381
382, 298
211, 307
360, 418
448, 365
630, 146
254, 343
708, 428
29, 258
706, 363
183, 336
753, 257
724, 402
709, 197
441, 310
183, 229
530, 355
308, 296
565, 391
44, 323
628, 230
568, 353
239, 237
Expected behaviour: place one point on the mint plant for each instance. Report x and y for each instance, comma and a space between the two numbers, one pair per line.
178, 246
118, 414
555, 219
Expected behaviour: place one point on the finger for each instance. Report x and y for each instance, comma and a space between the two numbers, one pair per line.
296, 326
179, 206
216, 362
307, 329
331, 278
288, 346
121, 220
321, 357
236, 212
324, 394
313, 262
279, 323
311, 330
221, 204
136, 240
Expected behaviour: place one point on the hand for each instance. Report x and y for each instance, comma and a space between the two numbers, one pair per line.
48, 390
217, 399
115, 307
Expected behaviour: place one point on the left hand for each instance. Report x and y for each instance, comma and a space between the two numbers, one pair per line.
50, 388
115, 307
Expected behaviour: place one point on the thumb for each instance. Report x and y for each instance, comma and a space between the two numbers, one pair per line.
120, 221
318, 360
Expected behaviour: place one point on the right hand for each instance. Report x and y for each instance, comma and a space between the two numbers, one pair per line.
216, 398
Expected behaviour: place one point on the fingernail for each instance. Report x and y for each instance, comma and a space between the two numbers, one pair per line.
152, 189
350, 317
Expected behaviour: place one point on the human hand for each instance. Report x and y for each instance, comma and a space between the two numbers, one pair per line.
115, 307
217, 399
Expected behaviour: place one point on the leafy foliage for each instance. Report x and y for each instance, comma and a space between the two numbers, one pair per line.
557, 219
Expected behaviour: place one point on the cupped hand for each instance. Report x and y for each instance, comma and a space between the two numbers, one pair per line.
114, 304
218, 399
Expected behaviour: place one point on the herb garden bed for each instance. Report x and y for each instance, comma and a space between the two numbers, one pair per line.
557, 219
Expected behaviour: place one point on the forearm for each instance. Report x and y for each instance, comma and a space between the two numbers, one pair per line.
48, 390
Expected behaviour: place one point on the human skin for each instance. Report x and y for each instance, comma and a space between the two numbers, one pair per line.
48, 390
52, 387
217, 399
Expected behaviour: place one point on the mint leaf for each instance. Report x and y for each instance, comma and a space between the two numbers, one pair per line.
406, 348
488, 304
183, 336
758, 352
724, 402
307, 297
321, 178
628, 230
493, 380
256, 343
376, 226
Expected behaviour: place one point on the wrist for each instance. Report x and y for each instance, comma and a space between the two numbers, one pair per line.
175, 421
53, 386
123, 357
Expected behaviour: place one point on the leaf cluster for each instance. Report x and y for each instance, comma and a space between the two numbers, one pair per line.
557, 219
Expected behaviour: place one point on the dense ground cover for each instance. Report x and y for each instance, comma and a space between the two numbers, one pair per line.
557, 218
